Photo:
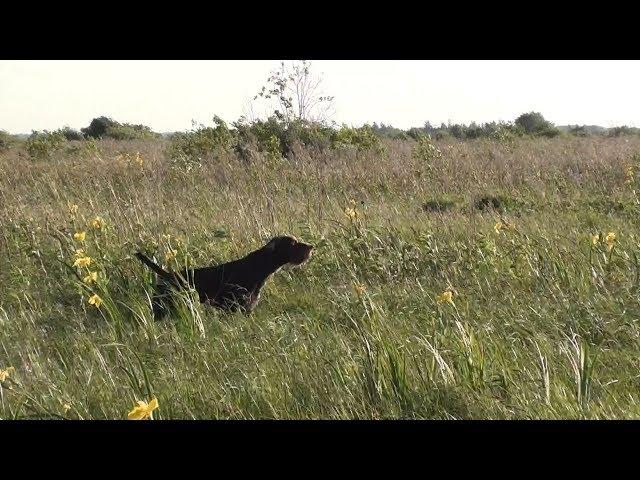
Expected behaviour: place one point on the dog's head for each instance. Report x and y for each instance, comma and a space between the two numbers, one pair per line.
289, 250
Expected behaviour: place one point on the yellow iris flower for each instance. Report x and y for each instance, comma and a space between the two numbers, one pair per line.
143, 410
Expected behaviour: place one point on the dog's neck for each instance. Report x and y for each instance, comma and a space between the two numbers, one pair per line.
265, 264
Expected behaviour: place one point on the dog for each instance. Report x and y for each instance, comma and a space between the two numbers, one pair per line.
229, 286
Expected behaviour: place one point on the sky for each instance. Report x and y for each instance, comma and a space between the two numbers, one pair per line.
169, 95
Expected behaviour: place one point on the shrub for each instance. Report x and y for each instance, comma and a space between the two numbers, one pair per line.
86, 149
309, 134
442, 133
578, 131
127, 131
549, 132
6, 140
533, 123
268, 136
362, 139
499, 203
456, 130
504, 135
104, 127
425, 150
388, 131
438, 205
42, 145
414, 132
275, 137
98, 127
70, 134
623, 130
202, 142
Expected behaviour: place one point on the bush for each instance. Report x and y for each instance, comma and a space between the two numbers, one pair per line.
43, 145
415, 132
202, 142
276, 138
98, 127
623, 130
309, 134
549, 132
425, 150
578, 131
533, 123
505, 135
6, 140
388, 131
104, 127
438, 205
362, 139
70, 134
267, 136
127, 131
466, 132
86, 149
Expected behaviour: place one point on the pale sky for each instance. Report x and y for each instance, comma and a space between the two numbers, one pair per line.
168, 95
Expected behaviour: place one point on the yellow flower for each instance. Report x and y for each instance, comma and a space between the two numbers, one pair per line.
4, 374
73, 209
350, 212
66, 407
629, 173
170, 254
503, 226
139, 159
143, 410
79, 236
82, 262
92, 277
359, 288
595, 239
95, 300
446, 296
97, 223
610, 239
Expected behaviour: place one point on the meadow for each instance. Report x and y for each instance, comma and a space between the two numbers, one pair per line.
476, 279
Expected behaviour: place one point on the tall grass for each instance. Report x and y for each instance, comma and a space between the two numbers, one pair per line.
543, 321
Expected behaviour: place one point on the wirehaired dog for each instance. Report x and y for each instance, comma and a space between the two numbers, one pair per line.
229, 286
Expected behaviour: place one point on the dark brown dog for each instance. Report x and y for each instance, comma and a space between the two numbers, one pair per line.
230, 286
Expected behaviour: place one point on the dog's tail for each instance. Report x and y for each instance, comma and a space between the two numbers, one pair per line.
154, 266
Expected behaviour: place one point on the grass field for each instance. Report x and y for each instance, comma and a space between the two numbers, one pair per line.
543, 320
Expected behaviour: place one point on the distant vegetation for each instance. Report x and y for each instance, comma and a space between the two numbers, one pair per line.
6, 140
280, 136
104, 127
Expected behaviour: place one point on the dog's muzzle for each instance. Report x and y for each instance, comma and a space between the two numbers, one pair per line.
302, 253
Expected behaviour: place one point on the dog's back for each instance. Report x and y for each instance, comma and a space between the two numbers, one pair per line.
233, 285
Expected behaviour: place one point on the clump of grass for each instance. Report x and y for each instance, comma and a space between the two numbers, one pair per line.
438, 205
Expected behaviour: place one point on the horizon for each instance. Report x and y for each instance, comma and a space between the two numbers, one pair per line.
168, 96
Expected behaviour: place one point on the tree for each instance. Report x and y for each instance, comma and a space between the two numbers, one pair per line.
293, 94
104, 127
98, 127
533, 123
71, 134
